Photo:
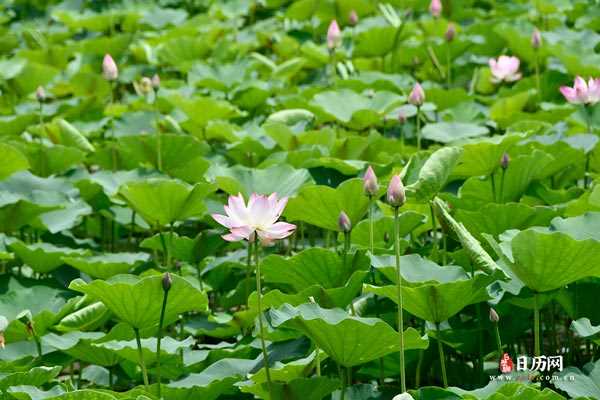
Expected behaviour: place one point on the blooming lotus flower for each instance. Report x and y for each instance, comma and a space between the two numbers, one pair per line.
109, 68
258, 218
396, 195
417, 95
334, 35
370, 182
435, 8
582, 92
505, 68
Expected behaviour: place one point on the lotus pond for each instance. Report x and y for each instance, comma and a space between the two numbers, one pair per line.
299, 200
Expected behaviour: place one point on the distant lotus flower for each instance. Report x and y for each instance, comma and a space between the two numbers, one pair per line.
395, 192
494, 317
334, 35
109, 68
146, 85
417, 95
450, 32
505, 68
258, 218
504, 161
582, 92
536, 39
344, 222
155, 81
435, 8
353, 18
370, 184
40, 94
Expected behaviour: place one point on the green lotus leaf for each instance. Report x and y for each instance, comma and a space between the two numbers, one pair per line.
348, 340
179, 247
162, 201
321, 205
383, 228
504, 390
291, 117
481, 156
583, 227
12, 160
137, 301
579, 384
51, 160
86, 318
44, 257
416, 269
71, 136
315, 388
434, 173
448, 132
289, 371
106, 265
36, 376
584, 328
28, 392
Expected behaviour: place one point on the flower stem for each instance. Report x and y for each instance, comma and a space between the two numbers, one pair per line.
141, 357
399, 294
449, 64
442, 357
343, 379
159, 337
536, 326
318, 360
537, 76
501, 197
434, 251
248, 269
260, 320
418, 128
372, 270
493, 180
498, 340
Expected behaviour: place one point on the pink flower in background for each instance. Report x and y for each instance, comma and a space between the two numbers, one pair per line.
435, 8
353, 18
417, 95
258, 218
582, 92
505, 68
334, 35
109, 68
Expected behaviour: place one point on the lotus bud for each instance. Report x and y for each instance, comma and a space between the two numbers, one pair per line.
403, 396
155, 81
167, 281
504, 161
417, 95
395, 192
40, 94
494, 317
146, 85
435, 8
536, 39
450, 32
344, 222
401, 117
334, 35
370, 184
353, 18
109, 68
312, 299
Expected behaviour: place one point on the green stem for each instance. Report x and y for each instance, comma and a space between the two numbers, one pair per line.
493, 180
165, 249
248, 269
480, 360
501, 197
159, 337
141, 357
132, 229
318, 360
442, 357
536, 326
434, 252
418, 128
399, 298
498, 340
372, 270
343, 379
449, 64
537, 76
260, 320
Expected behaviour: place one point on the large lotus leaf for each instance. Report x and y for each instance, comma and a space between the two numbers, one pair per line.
506, 389
36, 376
71, 136
64, 218
315, 388
290, 371
321, 205
434, 174
28, 392
215, 381
579, 384
314, 266
46, 160
547, 261
88, 317
211, 108
162, 201
21, 213
383, 228
44, 257
348, 340
482, 156
583, 227
138, 301
436, 302
448, 132
12, 160
281, 179
170, 350
179, 247
583, 327
415, 269
106, 265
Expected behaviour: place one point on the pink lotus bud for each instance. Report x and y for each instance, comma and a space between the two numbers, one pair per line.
417, 95
40, 94
344, 222
155, 81
353, 18
494, 317
370, 182
109, 68
395, 192
435, 8
505, 68
536, 39
334, 35
450, 32
167, 281
504, 161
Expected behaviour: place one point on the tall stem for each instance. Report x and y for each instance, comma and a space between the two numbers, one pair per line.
159, 337
399, 298
501, 196
442, 357
248, 269
372, 270
449, 64
536, 326
318, 360
418, 128
434, 237
260, 320
493, 180
498, 340
141, 357
537, 76
343, 379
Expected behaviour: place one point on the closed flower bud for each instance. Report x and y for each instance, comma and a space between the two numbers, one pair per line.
334, 35
435, 8
370, 184
109, 68
450, 32
401, 117
344, 222
166, 281
504, 161
494, 317
145, 85
417, 95
353, 18
395, 192
40, 94
536, 39
155, 81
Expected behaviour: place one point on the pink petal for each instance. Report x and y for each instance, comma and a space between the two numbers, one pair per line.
230, 237
244, 232
569, 94
278, 230
223, 220
237, 209
280, 206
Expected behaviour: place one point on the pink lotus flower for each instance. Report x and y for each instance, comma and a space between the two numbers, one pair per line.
334, 35
258, 218
435, 8
417, 95
370, 184
505, 68
109, 68
582, 92
396, 195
